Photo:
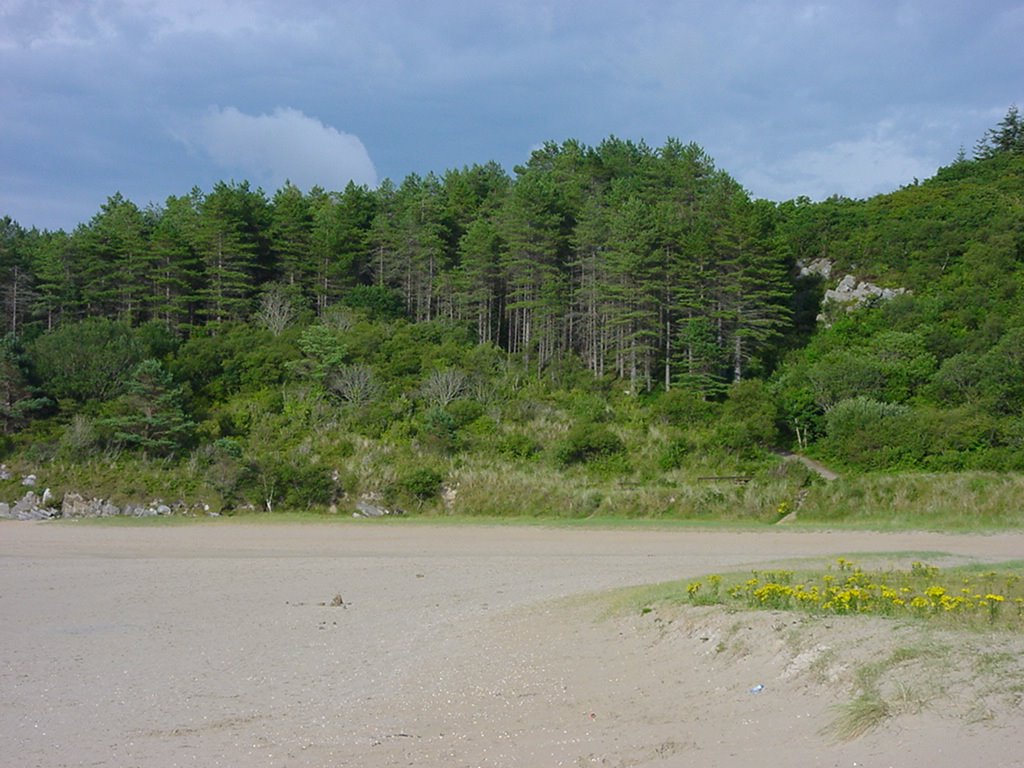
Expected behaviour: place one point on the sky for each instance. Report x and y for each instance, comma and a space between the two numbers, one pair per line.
151, 98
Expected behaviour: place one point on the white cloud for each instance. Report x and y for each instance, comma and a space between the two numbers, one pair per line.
856, 168
284, 145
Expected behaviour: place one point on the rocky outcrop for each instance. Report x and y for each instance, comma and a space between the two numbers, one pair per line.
30, 507
816, 268
77, 506
851, 294
74, 506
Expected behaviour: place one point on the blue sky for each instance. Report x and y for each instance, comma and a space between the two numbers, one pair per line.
153, 97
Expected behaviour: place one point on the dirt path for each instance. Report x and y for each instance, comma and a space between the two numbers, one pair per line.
815, 466
216, 645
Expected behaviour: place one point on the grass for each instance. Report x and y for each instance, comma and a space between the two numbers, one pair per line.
857, 717
482, 485
962, 501
969, 596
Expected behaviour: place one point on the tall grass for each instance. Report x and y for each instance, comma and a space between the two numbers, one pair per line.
954, 501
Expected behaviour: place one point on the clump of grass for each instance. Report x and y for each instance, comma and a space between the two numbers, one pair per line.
858, 716
961, 597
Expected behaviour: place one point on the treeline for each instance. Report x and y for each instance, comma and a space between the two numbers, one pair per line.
610, 314
647, 263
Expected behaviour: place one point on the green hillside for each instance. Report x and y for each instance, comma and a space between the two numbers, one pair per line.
611, 330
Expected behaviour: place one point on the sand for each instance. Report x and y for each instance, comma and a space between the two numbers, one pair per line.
217, 644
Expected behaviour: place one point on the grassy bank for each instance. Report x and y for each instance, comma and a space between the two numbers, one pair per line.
757, 490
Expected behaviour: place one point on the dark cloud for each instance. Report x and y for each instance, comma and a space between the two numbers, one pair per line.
790, 97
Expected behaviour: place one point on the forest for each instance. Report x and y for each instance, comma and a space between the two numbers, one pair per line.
605, 330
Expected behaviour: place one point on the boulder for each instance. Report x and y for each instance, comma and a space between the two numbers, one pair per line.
75, 506
31, 507
817, 268
366, 509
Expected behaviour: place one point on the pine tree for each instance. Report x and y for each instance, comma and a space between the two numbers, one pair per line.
55, 259
176, 277
291, 234
16, 279
116, 265
231, 222
477, 280
149, 415
1006, 138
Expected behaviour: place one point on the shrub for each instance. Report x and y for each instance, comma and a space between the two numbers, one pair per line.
464, 412
749, 417
586, 442
674, 454
423, 483
518, 446
437, 431
684, 407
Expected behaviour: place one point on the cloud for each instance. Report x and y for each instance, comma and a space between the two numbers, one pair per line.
858, 167
284, 145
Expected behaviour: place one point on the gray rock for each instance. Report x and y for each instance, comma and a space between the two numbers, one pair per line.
27, 502
5, 510
851, 294
30, 507
74, 506
162, 509
5, 474
366, 509
29, 481
818, 268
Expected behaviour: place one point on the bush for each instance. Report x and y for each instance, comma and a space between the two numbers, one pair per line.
749, 417
437, 431
684, 407
518, 446
89, 360
674, 454
464, 412
586, 442
423, 483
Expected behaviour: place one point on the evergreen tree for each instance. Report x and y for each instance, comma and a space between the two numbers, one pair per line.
1006, 138
291, 235
17, 401
116, 266
177, 276
477, 282
55, 258
232, 219
16, 279
149, 415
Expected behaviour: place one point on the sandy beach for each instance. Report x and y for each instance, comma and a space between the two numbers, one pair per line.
220, 644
